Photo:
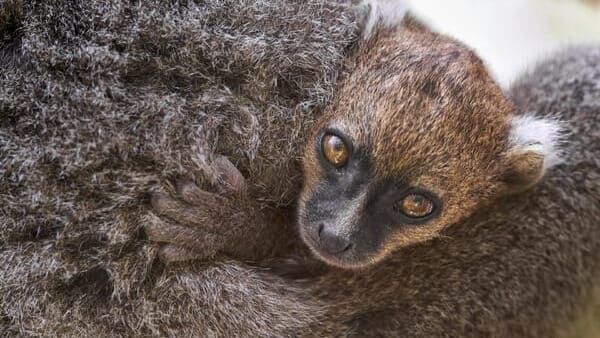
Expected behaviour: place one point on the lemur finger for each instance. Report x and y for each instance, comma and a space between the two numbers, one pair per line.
198, 215
232, 180
171, 253
158, 230
192, 194
202, 243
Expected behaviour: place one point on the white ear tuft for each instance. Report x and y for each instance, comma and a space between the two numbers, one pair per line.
539, 135
382, 13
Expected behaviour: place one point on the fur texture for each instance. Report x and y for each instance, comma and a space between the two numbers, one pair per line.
523, 266
520, 265
381, 13
424, 116
100, 102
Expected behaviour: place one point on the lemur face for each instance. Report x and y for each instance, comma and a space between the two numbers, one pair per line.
418, 137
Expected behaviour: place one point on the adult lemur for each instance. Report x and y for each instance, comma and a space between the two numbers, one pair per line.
422, 178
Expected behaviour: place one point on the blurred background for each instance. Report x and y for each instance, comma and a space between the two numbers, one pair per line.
511, 35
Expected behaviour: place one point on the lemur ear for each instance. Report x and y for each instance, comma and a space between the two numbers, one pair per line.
534, 147
374, 14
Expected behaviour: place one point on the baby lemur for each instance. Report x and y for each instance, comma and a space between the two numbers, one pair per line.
417, 178
417, 138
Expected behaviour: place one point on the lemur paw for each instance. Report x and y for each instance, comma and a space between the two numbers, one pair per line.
192, 224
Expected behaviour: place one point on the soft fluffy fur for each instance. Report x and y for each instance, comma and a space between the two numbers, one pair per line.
104, 101
90, 119
518, 267
521, 267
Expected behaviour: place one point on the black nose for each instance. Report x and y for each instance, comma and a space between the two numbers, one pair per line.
331, 242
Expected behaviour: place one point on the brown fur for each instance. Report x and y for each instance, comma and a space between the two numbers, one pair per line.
509, 266
426, 112
75, 172
416, 100
520, 267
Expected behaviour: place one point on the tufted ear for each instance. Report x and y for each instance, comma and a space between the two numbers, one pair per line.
380, 13
534, 147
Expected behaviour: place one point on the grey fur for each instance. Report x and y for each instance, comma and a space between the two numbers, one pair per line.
102, 100
86, 132
523, 266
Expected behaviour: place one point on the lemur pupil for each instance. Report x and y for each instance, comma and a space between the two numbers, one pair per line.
335, 150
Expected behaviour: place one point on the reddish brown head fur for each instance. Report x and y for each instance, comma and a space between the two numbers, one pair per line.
421, 114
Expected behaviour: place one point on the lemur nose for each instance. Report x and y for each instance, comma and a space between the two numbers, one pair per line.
331, 242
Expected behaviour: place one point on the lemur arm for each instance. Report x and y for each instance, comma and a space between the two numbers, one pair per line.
197, 224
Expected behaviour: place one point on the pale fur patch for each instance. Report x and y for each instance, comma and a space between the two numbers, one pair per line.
382, 13
541, 135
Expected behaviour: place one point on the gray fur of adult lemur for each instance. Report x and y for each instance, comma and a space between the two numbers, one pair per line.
103, 101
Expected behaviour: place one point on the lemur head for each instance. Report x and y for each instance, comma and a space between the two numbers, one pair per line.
417, 138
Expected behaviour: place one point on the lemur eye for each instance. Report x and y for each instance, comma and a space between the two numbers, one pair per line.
415, 206
335, 150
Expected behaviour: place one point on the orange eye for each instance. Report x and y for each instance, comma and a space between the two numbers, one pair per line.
416, 206
335, 150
